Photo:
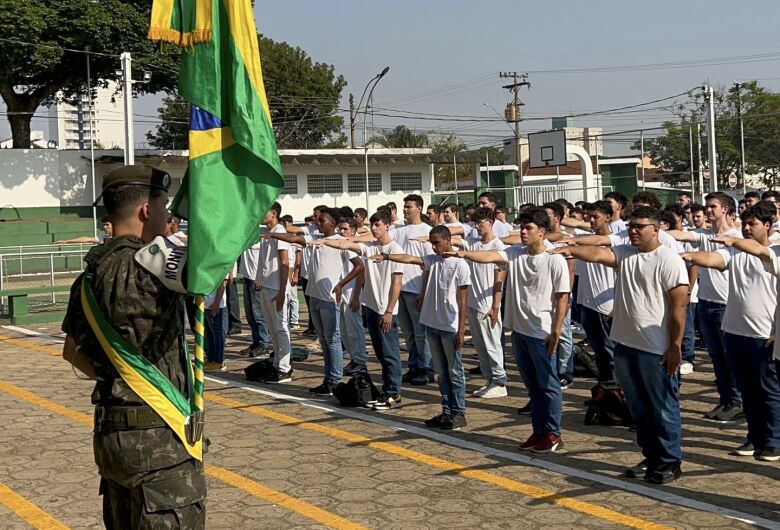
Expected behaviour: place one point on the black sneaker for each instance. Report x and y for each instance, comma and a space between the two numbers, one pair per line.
437, 421
389, 402
353, 368
746, 449
235, 330
729, 413
309, 333
711, 414
325, 389
407, 377
280, 377
525, 410
419, 379
455, 422
566, 383
663, 474
637, 471
768, 454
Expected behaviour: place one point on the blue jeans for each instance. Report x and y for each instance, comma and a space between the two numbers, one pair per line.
689, 335
710, 316
352, 333
414, 333
448, 364
386, 348
565, 349
325, 316
540, 376
254, 316
756, 375
652, 398
216, 327
597, 327
304, 283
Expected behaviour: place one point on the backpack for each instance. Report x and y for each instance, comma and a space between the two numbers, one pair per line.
259, 371
357, 391
584, 362
607, 406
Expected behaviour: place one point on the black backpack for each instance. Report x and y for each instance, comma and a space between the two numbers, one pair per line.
607, 406
259, 371
357, 391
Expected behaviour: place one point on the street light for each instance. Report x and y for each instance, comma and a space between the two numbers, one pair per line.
373, 80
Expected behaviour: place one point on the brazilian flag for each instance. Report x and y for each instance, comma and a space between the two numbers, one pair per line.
234, 172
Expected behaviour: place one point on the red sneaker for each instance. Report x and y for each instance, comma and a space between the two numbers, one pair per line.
531, 442
548, 443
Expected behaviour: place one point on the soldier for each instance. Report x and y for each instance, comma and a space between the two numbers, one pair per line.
150, 475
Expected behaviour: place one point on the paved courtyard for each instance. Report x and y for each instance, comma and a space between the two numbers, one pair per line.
282, 459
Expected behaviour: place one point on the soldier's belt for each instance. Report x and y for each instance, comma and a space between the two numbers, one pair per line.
126, 418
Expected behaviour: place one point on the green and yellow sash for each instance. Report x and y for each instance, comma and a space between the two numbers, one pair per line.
144, 378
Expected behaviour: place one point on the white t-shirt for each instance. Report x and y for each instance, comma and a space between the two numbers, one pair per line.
211, 297
713, 284
268, 264
532, 282
249, 259
326, 269
750, 311
617, 227
482, 275
404, 236
500, 229
378, 276
440, 305
308, 231
641, 309
596, 286
773, 267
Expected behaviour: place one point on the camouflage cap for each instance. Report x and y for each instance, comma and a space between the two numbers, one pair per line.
137, 175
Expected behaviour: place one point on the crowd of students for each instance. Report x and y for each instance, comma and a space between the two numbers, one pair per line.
642, 280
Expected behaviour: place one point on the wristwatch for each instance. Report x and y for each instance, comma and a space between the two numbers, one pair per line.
385, 256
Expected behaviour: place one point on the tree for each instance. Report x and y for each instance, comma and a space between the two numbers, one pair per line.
31, 75
400, 137
173, 131
303, 97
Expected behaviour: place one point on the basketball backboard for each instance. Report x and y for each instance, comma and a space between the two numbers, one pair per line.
547, 148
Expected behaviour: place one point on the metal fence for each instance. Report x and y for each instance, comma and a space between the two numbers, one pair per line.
541, 194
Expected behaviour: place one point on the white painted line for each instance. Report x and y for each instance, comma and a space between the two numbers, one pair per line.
658, 494
31, 333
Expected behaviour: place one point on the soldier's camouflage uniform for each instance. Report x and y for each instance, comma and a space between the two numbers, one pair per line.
148, 479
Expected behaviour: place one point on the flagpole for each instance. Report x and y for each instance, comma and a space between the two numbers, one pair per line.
200, 310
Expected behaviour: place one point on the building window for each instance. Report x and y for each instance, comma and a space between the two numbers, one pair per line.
405, 181
356, 182
290, 185
318, 184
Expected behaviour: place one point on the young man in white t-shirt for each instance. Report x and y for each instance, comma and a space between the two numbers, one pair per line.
536, 304
353, 335
443, 313
272, 278
748, 332
261, 341
713, 295
380, 295
651, 293
216, 326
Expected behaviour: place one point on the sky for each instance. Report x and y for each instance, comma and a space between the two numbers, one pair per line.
445, 56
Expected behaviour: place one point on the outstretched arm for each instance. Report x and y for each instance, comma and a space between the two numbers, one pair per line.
711, 260
289, 238
477, 256
603, 256
749, 246
592, 240
341, 244
680, 235
575, 223
399, 258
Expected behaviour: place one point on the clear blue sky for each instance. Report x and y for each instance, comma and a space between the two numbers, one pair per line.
444, 56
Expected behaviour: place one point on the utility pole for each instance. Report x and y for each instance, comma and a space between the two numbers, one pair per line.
712, 154
642, 155
738, 90
512, 113
690, 149
352, 114
127, 88
700, 165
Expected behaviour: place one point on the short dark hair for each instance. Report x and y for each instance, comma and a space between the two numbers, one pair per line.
452, 206
361, 211
741, 201
392, 205
277, 208
500, 208
333, 213
346, 211
321, 207
618, 197
351, 221
646, 212
105, 219
600, 206
381, 214
556, 207
770, 194
489, 195
436, 208
696, 207
566, 204
481, 214
668, 217
762, 210
723, 199
120, 200
440, 231
524, 207
647, 197
413, 197
676, 209
287, 218
753, 195
537, 216
684, 194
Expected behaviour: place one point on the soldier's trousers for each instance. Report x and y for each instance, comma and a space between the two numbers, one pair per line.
172, 498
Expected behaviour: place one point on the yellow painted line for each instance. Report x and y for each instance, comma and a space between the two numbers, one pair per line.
233, 479
528, 490
30, 346
28, 511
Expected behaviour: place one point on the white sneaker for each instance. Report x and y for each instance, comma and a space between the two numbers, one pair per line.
494, 390
686, 368
480, 391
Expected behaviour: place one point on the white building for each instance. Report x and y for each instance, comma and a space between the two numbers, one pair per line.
69, 125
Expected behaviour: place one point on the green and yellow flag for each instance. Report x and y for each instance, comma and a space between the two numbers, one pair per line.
234, 172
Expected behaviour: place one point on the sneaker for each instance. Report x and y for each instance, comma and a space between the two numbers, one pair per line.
407, 377
210, 366
768, 454
548, 443
419, 379
324, 389
295, 327
309, 333
475, 371
280, 377
389, 402
352, 368
686, 368
746, 449
455, 422
481, 390
729, 413
494, 390
249, 349
525, 410
437, 420
566, 383
637, 471
531, 442
663, 474
235, 330
714, 412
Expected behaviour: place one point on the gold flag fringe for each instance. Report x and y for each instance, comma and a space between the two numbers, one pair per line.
173, 36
